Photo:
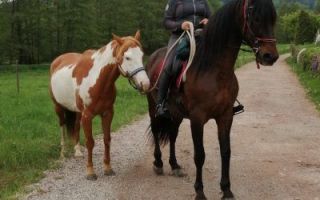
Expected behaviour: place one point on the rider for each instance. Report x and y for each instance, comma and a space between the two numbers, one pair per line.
177, 14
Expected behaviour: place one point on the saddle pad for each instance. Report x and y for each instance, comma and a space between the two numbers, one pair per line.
155, 75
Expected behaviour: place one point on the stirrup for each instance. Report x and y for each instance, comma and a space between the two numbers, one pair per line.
238, 109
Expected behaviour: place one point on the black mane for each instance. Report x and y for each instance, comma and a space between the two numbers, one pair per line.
226, 23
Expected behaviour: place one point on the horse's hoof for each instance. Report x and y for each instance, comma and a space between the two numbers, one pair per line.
228, 195
109, 172
92, 177
200, 196
178, 173
158, 170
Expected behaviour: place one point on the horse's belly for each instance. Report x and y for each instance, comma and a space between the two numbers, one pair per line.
63, 87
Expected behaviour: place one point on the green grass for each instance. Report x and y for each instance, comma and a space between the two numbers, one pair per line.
309, 80
29, 132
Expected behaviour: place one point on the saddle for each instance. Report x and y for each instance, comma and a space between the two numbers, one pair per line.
179, 63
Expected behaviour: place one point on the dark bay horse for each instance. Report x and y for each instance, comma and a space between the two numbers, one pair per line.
211, 86
83, 86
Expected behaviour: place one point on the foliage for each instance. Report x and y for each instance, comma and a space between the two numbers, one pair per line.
35, 31
309, 80
298, 27
307, 56
306, 27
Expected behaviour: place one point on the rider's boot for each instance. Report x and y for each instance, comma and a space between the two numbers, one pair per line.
161, 108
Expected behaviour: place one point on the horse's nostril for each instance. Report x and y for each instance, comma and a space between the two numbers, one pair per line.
267, 57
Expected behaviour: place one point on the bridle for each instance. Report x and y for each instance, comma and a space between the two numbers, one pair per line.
130, 75
246, 8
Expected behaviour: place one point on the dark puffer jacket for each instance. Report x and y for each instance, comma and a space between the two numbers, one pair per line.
178, 11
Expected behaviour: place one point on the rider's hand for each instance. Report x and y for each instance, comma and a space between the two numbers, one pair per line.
204, 21
185, 26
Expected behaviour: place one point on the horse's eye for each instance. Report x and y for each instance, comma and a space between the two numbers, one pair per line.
127, 58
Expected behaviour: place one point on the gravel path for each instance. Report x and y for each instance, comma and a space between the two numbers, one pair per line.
275, 151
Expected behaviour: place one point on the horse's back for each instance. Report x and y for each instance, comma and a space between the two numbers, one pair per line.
64, 60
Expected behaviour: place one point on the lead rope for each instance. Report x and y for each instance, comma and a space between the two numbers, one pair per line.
192, 40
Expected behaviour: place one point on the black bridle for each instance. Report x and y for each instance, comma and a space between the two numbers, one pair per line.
130, 75
256, 45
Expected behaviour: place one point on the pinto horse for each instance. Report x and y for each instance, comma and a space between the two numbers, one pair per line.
83, 86
211, 87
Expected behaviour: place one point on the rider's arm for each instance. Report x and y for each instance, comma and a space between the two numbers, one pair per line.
170, 22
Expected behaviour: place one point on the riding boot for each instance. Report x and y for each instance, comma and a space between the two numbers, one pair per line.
164, 83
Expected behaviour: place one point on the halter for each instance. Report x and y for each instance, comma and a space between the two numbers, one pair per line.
247, 29
130, 75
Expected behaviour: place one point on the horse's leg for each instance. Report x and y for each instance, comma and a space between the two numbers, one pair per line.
176, 168
155, 128
199, 156
224, 124
60, 112
76, 137
157, 163
86, 120
106, 120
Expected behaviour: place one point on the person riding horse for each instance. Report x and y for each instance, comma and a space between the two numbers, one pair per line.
177, 13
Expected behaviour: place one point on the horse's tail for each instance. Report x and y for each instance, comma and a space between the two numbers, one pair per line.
70, 121
161, 130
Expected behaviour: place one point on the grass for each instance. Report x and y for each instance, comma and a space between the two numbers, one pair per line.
29, 132
309, 80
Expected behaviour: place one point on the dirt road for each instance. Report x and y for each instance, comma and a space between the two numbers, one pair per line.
275, 152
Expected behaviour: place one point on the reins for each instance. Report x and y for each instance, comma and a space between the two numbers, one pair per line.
190, 34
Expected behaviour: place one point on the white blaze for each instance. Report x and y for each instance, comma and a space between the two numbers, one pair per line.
133, 59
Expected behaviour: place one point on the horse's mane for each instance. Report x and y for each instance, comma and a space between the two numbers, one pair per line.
216, 35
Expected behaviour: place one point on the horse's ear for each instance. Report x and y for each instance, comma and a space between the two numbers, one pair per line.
117, 38
138, 35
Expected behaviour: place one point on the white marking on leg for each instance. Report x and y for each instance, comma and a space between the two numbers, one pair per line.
77, 149
62, 142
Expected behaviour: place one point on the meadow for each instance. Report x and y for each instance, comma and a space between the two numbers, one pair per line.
29, 131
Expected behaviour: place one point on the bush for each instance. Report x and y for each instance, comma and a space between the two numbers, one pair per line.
299, 27
306, 28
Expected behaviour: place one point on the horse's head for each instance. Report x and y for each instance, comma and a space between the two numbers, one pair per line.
129, 56
259, 18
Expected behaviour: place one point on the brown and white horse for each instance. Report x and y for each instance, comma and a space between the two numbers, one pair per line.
83, 86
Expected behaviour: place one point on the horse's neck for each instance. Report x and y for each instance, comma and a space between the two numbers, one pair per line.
104, 63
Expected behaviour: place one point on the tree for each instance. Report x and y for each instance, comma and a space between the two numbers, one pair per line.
306, 28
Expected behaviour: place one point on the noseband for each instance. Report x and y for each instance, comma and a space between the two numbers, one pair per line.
130, 75
246, 8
